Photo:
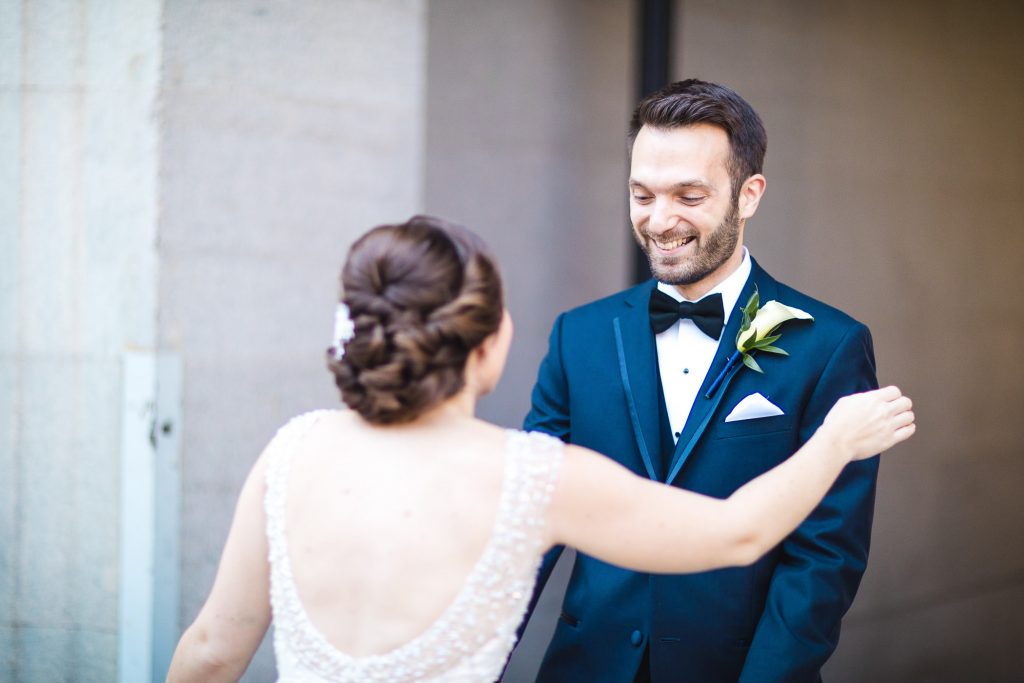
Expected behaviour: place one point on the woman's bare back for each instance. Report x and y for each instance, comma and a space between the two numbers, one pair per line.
385, 524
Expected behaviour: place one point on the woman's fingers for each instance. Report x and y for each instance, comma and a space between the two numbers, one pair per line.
903, 433
905, 418
904, 427
901, 404
889, 393
894, 419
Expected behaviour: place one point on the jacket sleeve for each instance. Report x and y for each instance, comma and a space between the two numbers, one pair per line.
549, 402
822, 562
549, 413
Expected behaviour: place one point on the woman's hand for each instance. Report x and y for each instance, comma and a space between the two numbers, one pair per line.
867, 424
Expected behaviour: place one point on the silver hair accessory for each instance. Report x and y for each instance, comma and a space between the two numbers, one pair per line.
344, 330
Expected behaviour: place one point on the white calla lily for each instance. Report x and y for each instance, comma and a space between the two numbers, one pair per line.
757, 335
767, 319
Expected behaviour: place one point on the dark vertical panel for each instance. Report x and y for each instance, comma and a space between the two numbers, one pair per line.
654, 44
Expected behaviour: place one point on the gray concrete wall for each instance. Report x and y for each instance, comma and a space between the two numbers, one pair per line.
527, 108
288, 130
894, 162
78, 275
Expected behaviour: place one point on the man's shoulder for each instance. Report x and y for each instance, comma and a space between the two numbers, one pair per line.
826, 316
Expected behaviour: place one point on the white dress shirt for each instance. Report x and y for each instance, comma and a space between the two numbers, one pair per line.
685, 353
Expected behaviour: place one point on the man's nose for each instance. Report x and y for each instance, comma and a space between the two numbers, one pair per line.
663, 217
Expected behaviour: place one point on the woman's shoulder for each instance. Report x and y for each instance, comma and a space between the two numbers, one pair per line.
541, 452
299, 426
308, 417
304, 421
537, 440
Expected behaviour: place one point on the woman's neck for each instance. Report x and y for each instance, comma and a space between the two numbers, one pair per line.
459, 408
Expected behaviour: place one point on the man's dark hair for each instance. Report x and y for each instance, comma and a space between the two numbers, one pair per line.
692, 101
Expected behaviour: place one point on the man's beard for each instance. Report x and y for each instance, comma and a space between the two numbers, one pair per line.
712, 251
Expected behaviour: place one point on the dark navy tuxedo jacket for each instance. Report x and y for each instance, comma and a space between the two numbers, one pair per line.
777, 620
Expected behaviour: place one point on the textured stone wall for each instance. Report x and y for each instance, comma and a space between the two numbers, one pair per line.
78, 283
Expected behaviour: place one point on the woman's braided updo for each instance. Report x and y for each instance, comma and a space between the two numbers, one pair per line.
421, 295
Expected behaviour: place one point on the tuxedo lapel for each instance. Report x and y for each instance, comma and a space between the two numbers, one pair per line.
704, 406
638, 369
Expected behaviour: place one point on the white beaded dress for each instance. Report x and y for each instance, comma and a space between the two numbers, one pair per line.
471, 640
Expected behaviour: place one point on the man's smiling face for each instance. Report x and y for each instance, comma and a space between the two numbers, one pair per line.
682, 205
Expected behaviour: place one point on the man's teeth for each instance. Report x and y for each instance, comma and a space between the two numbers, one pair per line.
675, 244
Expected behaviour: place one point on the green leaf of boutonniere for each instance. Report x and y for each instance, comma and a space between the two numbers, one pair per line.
749, 361
773, 349
767, 341
751, 308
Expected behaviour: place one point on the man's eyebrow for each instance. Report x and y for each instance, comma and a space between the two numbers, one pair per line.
682, 185
691, 184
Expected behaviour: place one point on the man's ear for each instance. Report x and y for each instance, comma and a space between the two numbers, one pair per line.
750, 195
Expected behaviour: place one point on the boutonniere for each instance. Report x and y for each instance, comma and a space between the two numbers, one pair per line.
758, 332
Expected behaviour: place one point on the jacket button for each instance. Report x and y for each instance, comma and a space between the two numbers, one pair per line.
636, 638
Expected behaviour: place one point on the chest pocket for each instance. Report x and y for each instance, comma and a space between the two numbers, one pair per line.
760, 426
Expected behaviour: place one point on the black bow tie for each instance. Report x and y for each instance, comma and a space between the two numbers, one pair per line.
708, 314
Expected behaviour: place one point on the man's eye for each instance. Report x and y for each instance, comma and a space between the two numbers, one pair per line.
640, 198
692, 199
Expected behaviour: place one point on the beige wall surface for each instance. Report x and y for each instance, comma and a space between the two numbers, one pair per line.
527, 108
288, 130
894, 173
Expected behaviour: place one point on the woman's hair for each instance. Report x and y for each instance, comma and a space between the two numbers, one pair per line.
421, 295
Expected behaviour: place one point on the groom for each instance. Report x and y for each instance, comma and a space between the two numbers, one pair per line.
631, 376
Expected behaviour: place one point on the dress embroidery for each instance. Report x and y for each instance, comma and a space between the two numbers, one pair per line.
472, 639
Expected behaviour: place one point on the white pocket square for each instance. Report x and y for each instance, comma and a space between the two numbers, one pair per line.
753, 407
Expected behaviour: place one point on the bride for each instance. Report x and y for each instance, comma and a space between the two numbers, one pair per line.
404, 534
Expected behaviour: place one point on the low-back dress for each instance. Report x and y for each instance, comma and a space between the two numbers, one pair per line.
472, 639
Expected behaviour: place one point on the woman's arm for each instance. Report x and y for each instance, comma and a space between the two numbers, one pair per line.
220, 643
605, 511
